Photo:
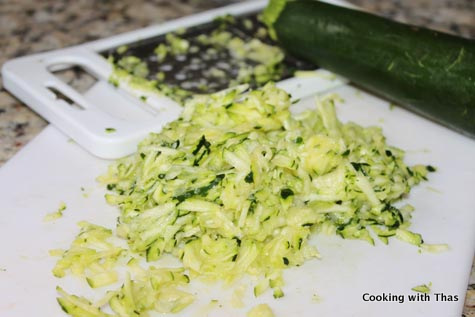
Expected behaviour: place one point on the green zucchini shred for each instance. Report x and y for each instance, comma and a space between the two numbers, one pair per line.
76, 306
424, 288
90, 254
56, 214
261, 310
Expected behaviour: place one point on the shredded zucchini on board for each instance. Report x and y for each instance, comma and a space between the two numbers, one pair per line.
424, 288
56, 214
237, 185
261, 310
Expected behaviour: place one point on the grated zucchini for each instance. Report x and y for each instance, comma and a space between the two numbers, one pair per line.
90, 255
228, 190
424, 288
261, 310
56, 214
237, 185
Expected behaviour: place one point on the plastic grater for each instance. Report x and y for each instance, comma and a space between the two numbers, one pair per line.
109, 121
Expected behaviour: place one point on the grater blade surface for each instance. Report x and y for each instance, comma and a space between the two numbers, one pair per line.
190, 71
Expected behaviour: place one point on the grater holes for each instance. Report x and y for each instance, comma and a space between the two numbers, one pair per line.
203, 56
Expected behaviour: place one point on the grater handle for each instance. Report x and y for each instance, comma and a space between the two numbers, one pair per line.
88, 117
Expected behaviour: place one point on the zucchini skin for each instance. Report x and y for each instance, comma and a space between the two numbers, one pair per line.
428, 72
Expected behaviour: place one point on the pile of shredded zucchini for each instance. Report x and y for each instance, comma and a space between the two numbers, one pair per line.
237, 185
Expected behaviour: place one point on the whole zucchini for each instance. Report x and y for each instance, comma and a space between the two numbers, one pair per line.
429, 72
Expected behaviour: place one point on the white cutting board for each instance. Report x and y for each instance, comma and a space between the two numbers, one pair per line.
51, 169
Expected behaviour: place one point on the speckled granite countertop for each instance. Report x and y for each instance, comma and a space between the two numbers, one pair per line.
32, 26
